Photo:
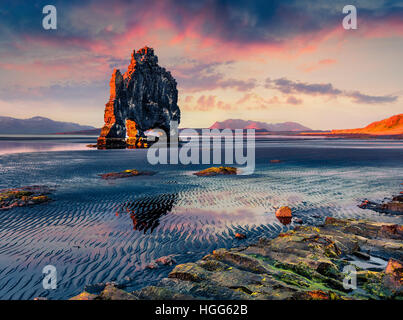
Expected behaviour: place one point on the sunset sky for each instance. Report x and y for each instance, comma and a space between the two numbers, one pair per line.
271, 61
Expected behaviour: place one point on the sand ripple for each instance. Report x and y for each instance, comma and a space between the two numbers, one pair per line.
97, 231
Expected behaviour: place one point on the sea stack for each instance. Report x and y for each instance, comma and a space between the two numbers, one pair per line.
144, 97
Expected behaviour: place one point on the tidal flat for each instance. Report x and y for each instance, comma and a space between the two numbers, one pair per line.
97, 231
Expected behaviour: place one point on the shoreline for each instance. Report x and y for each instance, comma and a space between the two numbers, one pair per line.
352, 135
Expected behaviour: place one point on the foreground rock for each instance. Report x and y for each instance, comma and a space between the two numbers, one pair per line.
240, 236
388, 206
162, 261
305, 263
214, 171
125, 174
284, 215
144, 97
110, 292
25, 196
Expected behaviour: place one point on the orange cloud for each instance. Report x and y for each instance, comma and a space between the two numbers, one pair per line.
317, 65
206, 103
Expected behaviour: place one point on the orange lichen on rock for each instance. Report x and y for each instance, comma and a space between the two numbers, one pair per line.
213, 171
284, 215
131, 133
136, 143
84, 296
334, 221
131, 68
395, 269
240, 235
109, 115
126, 174
284, 234
393, 230
394, 276
131, 129
318, 295
284, 212
133, 140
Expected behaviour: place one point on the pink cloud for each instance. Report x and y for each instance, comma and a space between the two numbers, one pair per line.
293, 100
207, 103
318, 65
87, 57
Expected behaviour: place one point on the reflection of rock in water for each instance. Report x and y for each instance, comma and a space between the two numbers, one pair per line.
284, 220
146, 212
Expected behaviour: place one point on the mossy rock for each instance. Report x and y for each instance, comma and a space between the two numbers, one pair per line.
306, 263
214, 171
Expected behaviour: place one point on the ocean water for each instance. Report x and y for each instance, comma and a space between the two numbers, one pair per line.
96, 230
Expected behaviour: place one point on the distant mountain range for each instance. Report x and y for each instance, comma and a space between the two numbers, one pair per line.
389, 126
90, 132
37, 125
258, 125
40, 125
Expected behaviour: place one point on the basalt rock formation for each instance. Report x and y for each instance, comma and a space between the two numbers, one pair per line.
143, 98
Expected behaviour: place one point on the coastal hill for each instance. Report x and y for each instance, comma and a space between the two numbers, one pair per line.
90, 132
37, 125
389, 126
258, 125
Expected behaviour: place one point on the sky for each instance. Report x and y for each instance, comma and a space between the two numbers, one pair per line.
263, 60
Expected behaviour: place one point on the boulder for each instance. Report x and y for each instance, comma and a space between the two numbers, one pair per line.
84, 296
112, 292
393, 231
284, 215
24, 196
126, 174
394, 276
395, 268
284, 212
161, 261
214, 171
166, 261
394, 206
